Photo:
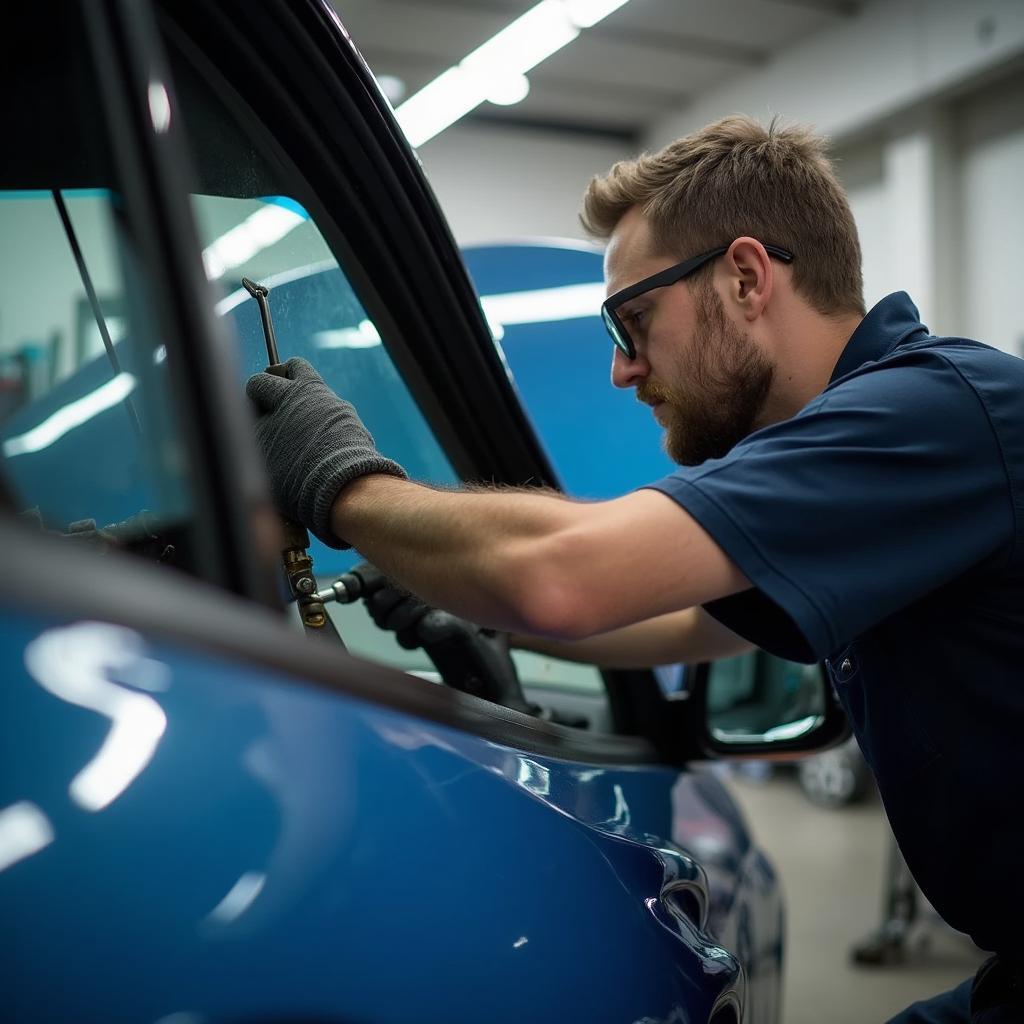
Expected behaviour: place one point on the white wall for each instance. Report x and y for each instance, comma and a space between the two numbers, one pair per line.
891, 55
991, 156
926, 113
924, 102
503, 183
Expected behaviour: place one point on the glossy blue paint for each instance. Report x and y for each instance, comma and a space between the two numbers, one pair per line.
232, 844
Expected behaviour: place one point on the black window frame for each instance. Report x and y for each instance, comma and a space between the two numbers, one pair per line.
235, 550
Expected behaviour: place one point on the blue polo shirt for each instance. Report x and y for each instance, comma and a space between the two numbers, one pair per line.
881, 529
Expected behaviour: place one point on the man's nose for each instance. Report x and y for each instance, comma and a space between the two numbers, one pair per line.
626, 372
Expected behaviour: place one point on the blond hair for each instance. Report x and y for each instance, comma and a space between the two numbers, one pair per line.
735, 177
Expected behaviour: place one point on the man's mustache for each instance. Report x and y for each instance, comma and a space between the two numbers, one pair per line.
651, 393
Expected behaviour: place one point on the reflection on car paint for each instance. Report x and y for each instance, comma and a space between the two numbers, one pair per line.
316, 816
75, 664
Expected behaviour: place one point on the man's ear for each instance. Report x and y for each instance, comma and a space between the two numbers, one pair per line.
750, 276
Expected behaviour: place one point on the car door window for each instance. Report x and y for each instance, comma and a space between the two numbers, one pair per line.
89, 441
253, 222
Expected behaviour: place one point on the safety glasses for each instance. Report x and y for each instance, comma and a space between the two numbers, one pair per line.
670, 275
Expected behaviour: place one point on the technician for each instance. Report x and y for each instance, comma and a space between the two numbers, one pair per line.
850, 488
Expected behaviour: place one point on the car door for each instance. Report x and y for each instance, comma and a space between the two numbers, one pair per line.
205, 814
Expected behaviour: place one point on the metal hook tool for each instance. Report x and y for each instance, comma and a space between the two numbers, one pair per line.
298, 565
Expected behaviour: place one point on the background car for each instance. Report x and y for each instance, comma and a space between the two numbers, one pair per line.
205, 814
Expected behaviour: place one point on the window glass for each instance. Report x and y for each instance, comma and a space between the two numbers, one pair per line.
253, 224
88, 437
317, 315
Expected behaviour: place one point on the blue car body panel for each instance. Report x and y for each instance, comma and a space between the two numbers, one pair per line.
267, 848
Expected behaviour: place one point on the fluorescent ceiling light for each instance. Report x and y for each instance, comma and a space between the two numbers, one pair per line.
518, 48
530, 39
392, 86
506, 92
586, 13
442, 102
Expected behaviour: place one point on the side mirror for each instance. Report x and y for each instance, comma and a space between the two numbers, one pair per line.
760, 704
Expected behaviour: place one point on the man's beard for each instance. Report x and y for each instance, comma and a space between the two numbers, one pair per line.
727, 382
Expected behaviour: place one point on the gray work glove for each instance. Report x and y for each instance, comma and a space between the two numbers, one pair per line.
390, 607
467, 656
314, 444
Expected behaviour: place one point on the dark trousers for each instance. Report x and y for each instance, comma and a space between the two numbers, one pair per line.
995, 995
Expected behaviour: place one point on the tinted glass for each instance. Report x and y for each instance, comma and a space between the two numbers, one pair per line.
87, 430
253, 222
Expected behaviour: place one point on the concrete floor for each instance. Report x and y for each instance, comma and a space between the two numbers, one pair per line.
831, 864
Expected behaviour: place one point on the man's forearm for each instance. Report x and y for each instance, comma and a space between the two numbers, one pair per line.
533, 561
464, 551
687, 636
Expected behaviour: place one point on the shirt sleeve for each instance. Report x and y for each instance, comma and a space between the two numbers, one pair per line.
885, 487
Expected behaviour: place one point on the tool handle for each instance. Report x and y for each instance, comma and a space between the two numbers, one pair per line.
260, 292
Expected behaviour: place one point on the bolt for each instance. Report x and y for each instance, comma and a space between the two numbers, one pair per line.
305, 585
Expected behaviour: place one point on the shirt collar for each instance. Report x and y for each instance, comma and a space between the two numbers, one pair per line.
887, 323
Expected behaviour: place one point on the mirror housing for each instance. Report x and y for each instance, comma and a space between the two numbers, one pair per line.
759, 705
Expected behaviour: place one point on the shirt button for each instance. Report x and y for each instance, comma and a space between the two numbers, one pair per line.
846, 667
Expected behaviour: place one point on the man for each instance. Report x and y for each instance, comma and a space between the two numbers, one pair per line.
850, 488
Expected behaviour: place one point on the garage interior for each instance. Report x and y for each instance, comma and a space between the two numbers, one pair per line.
924, 103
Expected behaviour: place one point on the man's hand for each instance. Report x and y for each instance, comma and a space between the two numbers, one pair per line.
390, 607
314, 444
467, 656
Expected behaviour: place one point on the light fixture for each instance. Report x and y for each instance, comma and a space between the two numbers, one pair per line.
393, 87
585, 13
492, 68
506, 92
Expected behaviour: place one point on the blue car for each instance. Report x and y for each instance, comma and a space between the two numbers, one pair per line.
211, 811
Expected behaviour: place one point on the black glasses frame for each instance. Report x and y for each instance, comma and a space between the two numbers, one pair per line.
670, 275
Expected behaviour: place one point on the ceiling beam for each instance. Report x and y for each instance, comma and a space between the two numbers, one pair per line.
578, 129
840, 8
667, 97
697, 46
